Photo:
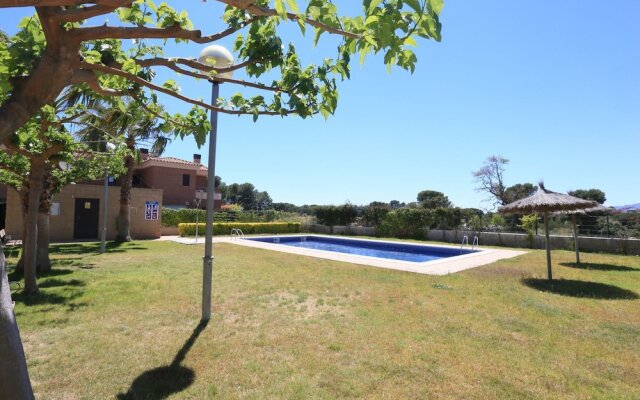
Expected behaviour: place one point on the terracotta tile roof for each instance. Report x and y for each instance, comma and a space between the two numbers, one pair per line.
173, 160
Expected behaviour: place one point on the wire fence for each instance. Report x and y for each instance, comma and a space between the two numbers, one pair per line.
620, 225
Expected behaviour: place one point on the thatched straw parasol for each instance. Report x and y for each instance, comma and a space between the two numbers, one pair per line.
597, 210
545, 201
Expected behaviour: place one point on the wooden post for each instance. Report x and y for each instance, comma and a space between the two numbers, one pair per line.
575, 239
548, 245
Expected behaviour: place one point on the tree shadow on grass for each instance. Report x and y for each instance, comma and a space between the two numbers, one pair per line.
573, 288
59, 282
16, 275
45, 297
49, 280
161, 382
599, 267
91, 248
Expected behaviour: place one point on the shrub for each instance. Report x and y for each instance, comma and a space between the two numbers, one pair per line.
405, 223
529, 224
445, 218
476, 223
169, 217
231, 207
224, 228
374, 213
336, 215
498, 222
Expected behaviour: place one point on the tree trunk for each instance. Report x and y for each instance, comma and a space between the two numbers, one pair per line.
124, 217
24, 205
30, 235
43, 262
14, 376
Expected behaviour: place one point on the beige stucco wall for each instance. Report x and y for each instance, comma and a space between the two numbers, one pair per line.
61, 226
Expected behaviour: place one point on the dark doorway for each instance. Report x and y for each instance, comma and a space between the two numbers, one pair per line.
85, 225
3, 214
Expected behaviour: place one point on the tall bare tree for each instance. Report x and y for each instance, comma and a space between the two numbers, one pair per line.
490, 178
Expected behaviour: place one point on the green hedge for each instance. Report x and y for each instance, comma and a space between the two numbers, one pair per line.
415, 222
174, 217
224, 228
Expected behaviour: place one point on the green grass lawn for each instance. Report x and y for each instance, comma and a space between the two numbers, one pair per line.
125, 325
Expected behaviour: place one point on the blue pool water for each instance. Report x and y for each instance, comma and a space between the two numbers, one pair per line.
371, 248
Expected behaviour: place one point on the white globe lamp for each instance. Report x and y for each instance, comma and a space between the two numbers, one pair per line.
218, 57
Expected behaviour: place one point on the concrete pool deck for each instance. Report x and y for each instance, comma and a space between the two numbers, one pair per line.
438, 267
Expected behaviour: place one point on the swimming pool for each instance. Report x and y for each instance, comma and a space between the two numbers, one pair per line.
390, 250
404, 256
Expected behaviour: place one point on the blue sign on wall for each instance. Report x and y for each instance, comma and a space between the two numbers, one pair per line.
152, 209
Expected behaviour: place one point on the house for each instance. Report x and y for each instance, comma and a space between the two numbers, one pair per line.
77, 213
77, 210
183, 182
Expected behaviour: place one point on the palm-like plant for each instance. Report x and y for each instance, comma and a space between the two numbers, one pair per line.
138, 126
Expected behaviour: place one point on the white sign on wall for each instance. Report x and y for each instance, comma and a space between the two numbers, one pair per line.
55, 209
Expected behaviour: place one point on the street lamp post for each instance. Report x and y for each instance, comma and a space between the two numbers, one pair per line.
219, 57
103, 235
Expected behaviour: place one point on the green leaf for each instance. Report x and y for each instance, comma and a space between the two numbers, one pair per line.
293, 6
372, 19
281, 9
436, 5
370, 40
415, 4
410, 41
373, 5
303, 25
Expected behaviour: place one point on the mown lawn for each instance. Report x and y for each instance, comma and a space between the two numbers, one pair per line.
125, 325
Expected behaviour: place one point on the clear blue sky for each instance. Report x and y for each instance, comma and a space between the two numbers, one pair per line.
554, 86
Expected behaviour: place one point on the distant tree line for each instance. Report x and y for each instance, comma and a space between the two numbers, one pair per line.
433, 209
245, 195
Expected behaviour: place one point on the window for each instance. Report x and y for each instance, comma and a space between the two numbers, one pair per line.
186, 179
136, 180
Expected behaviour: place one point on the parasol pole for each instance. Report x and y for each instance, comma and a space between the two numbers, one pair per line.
547, 244
575, 239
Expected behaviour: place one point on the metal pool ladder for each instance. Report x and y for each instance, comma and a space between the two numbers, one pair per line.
236, 233
465, 240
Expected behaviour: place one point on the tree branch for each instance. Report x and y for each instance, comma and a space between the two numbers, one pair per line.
91, 79
138, 32
152, 86
141, 32
54, 3
82, 13
157, 114
16, 149
228, 31
250, 7
195, 64
172, 65
53, 150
